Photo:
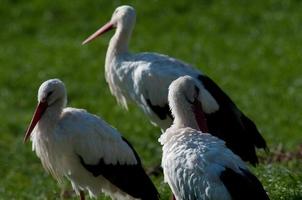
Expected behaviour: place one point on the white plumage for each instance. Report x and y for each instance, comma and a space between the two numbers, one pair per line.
144, 78
198, 165
192, 162
138, 77
75, 144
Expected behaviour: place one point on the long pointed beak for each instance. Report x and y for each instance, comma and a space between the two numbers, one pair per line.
99, 32
200, 116
41, 107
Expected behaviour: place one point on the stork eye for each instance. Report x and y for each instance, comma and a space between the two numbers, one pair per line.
196, 94
188, 100
49, 93
196, 90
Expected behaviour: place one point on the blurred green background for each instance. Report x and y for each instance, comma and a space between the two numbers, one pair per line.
252, 49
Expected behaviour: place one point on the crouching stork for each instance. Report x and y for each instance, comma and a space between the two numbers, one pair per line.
196, 164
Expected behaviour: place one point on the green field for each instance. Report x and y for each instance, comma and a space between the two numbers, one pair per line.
253, 50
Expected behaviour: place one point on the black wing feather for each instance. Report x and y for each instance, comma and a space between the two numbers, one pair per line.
243, 186
131, 179
162, 112
232, 126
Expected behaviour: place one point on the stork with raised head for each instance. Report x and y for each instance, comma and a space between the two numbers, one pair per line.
144, 78
80, 146
196, 164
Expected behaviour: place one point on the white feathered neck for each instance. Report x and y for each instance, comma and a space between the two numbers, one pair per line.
124, 19
44, 138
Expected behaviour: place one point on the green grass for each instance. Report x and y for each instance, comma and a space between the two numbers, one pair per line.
252, 50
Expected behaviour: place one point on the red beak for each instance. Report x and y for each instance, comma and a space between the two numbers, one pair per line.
99, 32
200, 116
41, 107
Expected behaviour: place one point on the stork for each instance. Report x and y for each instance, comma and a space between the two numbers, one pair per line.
144, 78
196, 164
80, 146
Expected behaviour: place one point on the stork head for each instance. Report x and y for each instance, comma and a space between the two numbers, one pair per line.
184, 101
52, 93
123, 18
51, 90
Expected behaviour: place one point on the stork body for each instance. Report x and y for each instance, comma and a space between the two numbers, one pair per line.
198, 165
144, 78
75, 144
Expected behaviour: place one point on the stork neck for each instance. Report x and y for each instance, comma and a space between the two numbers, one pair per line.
52, 114
188, 122
118, 45
185, 118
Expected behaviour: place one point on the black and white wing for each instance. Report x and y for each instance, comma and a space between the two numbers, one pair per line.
103, 152
243, 185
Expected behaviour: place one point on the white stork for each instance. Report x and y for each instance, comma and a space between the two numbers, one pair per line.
144, 78
75, 144
196, 164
